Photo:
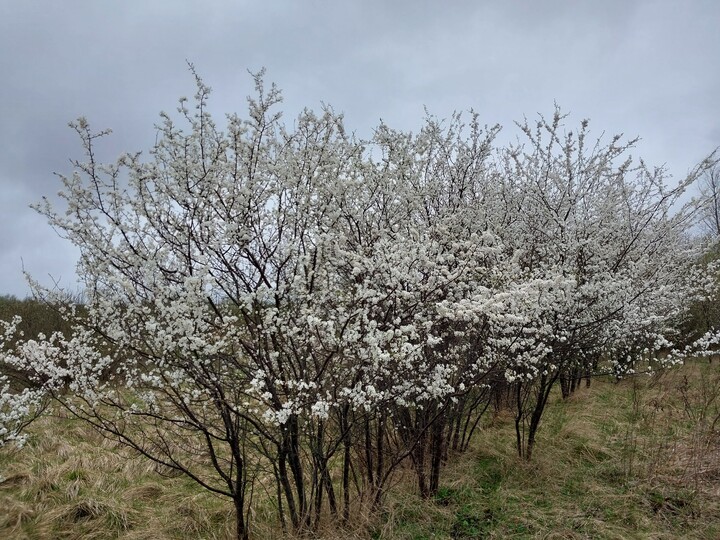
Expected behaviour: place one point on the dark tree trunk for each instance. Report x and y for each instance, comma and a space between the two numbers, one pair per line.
240, 525
436, 457
347, 445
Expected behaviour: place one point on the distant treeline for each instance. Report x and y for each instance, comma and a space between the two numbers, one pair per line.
38, 317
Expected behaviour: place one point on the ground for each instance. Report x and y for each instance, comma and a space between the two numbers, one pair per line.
639, 458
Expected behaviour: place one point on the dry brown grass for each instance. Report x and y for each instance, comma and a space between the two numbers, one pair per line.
70, 482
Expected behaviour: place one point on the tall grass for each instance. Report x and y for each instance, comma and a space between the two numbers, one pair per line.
635, 459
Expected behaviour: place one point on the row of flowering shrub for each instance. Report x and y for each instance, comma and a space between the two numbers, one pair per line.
297, 309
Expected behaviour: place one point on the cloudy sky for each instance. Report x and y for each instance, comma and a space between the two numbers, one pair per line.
645, 67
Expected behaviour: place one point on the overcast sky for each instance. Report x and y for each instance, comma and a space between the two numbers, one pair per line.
647, 68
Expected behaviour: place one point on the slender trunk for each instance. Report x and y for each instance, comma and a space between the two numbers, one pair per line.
565, 386
239, 490
240, 525
327, 482
317, 503
543, 395
590, 370
287, 488
279, 494
519, 423
419, 461
296, 467
573, 382
380, 439
346, 466
436, 457
456, 424
380, 449
469, 430
319, 469
369, 454
380, 462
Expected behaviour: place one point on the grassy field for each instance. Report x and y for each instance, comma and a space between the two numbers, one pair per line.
635, 459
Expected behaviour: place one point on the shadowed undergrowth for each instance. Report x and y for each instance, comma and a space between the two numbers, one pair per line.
636, 459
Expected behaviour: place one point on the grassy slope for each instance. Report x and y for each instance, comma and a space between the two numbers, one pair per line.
629, 460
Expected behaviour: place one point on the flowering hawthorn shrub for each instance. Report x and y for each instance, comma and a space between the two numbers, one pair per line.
304, 311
